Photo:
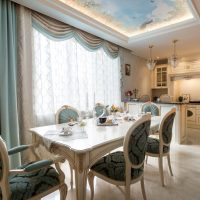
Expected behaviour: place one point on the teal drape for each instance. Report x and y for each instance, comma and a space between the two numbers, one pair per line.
57, 30
8, 69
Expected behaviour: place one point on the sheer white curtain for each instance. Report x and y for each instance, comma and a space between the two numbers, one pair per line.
64, 72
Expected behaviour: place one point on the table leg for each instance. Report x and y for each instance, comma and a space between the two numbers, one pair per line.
81, 184
81, 171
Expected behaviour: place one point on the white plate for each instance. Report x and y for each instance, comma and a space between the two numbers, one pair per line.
65, 134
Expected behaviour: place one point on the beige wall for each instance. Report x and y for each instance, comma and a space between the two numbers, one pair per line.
140, 77
190, 86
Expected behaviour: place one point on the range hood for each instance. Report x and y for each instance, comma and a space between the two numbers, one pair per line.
187, 75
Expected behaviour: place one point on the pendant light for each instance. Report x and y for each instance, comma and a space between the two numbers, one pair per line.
150, 62
173, 61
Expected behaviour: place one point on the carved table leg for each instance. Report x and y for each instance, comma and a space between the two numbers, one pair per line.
81, 171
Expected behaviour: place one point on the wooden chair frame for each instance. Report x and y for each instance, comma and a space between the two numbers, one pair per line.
160, 155
99, 104
63, 108
150, 103
57, 122
128, 164
4, 182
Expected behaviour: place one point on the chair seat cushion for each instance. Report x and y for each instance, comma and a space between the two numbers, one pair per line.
153, 146
25, 186
113, 166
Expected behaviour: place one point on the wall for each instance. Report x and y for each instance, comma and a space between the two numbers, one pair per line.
190, 86
140, 77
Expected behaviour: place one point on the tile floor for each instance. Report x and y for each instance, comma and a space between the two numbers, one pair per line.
184, 185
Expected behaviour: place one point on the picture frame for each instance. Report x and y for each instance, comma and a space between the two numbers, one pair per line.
127, 69
186, 98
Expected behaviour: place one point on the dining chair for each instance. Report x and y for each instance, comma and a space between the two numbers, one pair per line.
144, 98
99, 109
30, 181
123, 168
67, 114
151, 107
161, 147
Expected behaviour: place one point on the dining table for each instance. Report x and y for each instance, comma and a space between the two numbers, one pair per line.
82, 144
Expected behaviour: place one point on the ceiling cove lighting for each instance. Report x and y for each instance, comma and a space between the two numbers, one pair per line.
150, 62
174, 61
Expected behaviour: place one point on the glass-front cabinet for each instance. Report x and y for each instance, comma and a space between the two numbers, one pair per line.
161, 76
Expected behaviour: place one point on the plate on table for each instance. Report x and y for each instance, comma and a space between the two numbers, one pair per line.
65, 133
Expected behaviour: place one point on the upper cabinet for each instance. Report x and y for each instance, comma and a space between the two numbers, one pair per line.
160, 76
186, 70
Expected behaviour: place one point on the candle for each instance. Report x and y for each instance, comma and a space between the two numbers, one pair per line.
86, 101
94, 98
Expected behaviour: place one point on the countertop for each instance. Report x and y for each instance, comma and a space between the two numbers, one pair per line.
160, 102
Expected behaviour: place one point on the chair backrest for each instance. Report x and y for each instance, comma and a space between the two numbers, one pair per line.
66, 114
99, 108
144, 98
165, 130
151, 107
4, 169
135, 142
165, 98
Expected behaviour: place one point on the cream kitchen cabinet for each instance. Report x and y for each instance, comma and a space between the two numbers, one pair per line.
160, 76
134, 107
193, 124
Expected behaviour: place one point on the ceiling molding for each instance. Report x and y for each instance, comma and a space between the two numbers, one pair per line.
164, 30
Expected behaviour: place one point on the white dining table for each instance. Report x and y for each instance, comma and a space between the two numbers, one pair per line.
85, 145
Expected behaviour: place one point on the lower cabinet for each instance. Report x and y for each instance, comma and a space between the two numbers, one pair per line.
179, 127
134, 108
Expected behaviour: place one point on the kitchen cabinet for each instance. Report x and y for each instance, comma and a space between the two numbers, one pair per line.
193, 124
134, 107
193, 116
161, 76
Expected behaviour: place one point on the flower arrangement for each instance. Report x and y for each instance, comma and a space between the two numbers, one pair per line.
114, 108
128, 93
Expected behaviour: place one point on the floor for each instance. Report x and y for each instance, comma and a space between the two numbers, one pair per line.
184, 185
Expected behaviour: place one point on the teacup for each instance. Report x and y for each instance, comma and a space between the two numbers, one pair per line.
102, 120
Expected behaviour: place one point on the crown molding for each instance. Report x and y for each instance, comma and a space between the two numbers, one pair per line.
164, 30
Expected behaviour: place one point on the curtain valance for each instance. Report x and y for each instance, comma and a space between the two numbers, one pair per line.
57, 30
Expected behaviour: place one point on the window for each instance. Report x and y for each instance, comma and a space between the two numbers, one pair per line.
65, 73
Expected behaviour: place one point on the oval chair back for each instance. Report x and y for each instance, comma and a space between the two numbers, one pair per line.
99, 109
151, 107
66, 114
135, 146
165, 130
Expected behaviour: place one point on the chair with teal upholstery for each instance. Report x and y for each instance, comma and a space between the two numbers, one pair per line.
66, 114
30, 181
99, 109
151, 107
123, 168
161, 147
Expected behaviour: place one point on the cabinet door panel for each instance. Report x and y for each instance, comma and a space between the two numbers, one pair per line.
134, 108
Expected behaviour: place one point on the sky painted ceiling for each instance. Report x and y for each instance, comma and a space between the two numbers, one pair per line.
133, 17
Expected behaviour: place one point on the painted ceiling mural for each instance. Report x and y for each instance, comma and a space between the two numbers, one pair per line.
133, 17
